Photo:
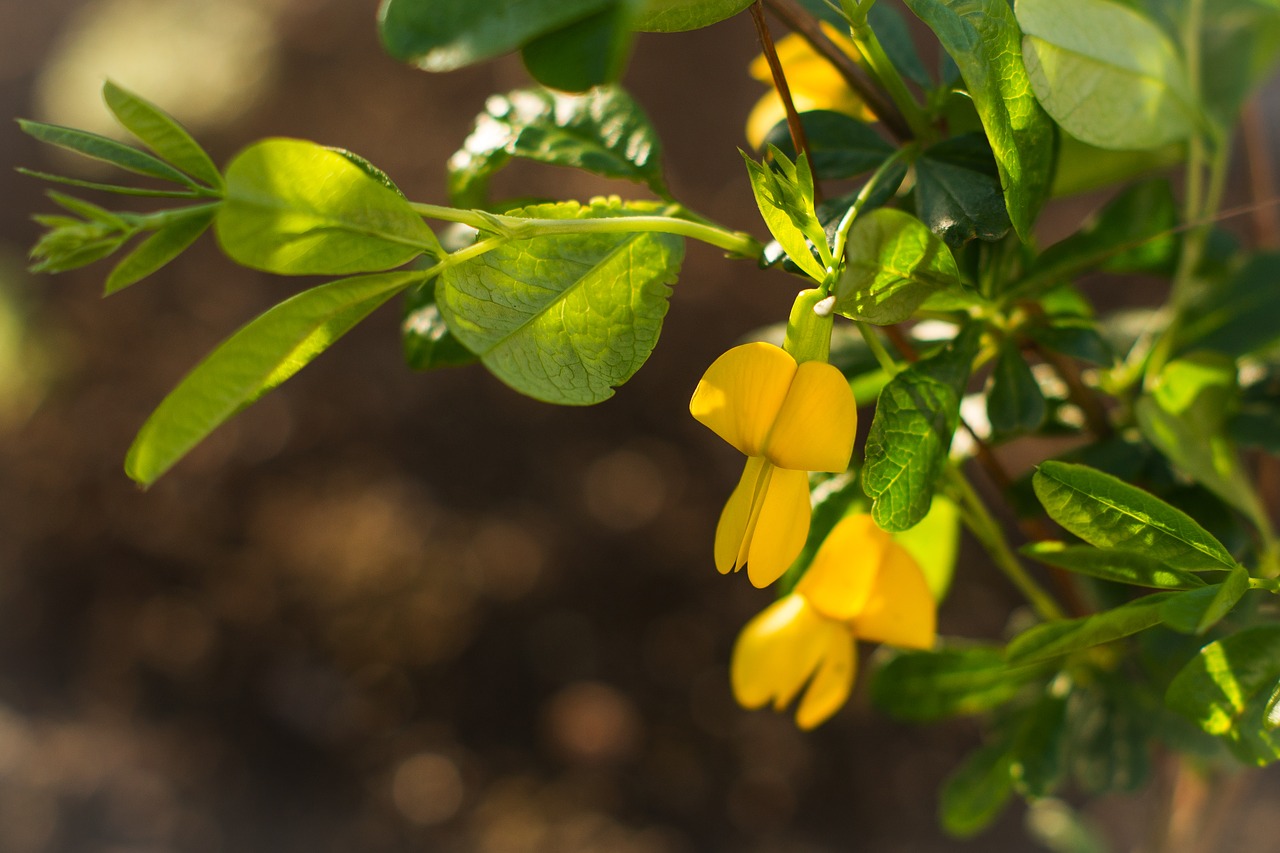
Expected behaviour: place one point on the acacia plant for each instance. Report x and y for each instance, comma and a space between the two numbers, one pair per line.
922, 291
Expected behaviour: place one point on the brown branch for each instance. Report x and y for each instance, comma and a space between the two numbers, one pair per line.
877, 101
1266, 224
794, 125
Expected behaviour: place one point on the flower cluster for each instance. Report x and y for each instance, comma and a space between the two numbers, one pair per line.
788, 419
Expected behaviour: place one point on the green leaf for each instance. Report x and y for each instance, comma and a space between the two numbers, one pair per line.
977, 791
934, 543
443, 35
107, 150
927, 686
161, 133
1128, 567
293, 207
1015, 403
586, 53
254, 360
1108, 732
1225, 690
841, 146
1074, 336
785, 198
1081, 167
983, 38
958, 191
1109, 513
892, 264
160, 248
1038, 747
107, 188
428, 343
564, 318
907, 445
1238, 315
1186, 419
1064, 636
1271, 715
1197, 611
603, 132
672, 16
1132, 233
1106, 74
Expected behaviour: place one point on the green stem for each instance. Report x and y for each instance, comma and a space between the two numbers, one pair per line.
883, 70
878, 349
842, 231
517, 228
988, 532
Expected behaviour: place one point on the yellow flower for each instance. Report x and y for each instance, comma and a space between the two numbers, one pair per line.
814, 83
861, 585
789, 419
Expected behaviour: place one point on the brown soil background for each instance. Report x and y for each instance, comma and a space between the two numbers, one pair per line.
384, 611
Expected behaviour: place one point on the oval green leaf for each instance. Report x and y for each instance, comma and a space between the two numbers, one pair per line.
1105, 73
565, 318
892, 264
1109, 513
1061, 637
1127, 567
161, 133
673, 16
296, 208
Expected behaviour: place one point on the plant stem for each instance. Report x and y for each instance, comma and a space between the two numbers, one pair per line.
877, 347
886, 74
882, 106
517, 228
989, 533
842, 231
794, 125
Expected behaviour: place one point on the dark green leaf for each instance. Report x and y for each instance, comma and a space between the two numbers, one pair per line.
958, 191
1127, 567
565, 318
1106, 74
671, 16
442, 35
428, 343
1108, 735
1239, 315
1064, 636
293, 207
254, 360
1109, 513
1130, 234
590, 52
895, 37
604, 132
983, 38
1074, 336
1038, 747
926, 686
975, 794
842, 146
1225, 689
1197, 611
910, 435
161, 133
1014, 401
892, 264
101, 148
160, 248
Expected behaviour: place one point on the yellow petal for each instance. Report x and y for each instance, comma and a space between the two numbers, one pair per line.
736, 520
900, 610
844, 571
815, 426
833, 682
781, 527
777, 651
741, 392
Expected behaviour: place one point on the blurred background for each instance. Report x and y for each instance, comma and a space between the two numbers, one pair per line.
383, 611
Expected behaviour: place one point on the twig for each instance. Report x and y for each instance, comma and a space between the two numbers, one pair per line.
1266, 224
799, 20
794, 125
